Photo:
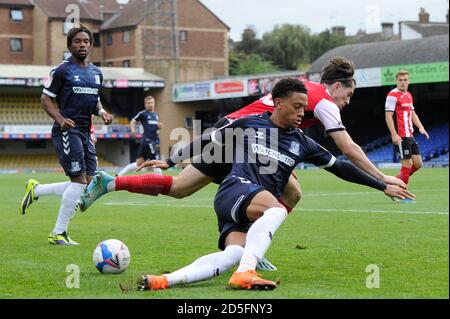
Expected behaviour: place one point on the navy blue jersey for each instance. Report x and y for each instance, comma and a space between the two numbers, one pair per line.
76, 90
267, 154
149, 122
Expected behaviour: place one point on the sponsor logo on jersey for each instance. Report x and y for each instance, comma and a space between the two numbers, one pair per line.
262, 150
76, 78
84, 90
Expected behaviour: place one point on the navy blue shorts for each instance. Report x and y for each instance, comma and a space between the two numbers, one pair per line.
231, 202
147, 150
75, 151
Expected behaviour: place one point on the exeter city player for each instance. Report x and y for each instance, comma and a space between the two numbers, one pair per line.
400, 102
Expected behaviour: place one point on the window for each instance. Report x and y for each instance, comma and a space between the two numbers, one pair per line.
16, 14
109, 39
67, 26
109, 64
96, 37
15, 45
126, 63
97, 63
126, 37
188, 122
66, 55
183, 36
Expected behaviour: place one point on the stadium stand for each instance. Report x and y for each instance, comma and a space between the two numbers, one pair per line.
39, 162
381, 150
26, 109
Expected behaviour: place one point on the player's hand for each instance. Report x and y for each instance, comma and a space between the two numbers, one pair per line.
398, 192
391, 180
133, 134
396, 139
107, 118
153, 164
66, 124
424, 132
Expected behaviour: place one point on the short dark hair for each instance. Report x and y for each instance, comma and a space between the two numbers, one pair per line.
338, 69
285, 87
74, 31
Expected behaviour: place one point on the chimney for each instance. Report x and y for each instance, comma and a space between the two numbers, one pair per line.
424, 17
387, 29
338, 30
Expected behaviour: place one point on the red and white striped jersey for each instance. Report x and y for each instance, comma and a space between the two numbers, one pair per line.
321, 108
403, 105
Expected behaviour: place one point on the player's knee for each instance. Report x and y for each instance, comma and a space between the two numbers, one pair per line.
296, 197
234, 253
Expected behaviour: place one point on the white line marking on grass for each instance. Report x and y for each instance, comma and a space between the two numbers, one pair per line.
302, 209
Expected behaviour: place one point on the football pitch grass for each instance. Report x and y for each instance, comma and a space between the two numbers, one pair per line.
327, 248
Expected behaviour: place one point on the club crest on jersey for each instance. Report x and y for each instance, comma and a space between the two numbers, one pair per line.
76, 78
295, 148
75, 166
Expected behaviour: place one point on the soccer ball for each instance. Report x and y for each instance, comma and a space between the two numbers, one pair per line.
111, 256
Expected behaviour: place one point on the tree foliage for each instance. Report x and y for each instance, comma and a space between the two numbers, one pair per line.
286, 47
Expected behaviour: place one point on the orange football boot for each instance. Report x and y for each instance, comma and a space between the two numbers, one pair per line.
250, 279
152, 282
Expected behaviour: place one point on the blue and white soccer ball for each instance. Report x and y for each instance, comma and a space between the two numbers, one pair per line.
111, 256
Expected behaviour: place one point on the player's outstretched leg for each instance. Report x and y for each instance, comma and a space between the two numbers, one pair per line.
264, 264
29, 196
96, 189
61, 239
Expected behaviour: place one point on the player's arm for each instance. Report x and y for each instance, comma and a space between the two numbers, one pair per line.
193, 149
391, 102
100, 111
418, 124
347, 171
351, 173
329, 115
160, 125
52, 88
51, 108
357, 156
396, 139
133, 123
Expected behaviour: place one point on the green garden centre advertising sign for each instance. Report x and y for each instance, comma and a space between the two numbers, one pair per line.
418, 73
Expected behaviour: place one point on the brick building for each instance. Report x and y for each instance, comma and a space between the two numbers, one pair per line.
179, 41
34, 32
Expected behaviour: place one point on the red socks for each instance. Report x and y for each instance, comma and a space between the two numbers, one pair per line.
149, 184
413, 169
404, 174
289, 209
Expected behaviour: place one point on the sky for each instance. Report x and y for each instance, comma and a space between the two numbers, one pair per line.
319, 15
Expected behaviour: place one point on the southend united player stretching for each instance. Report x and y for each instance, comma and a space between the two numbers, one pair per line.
400, 101
148, 145
70, 97
325, 101
246, 202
